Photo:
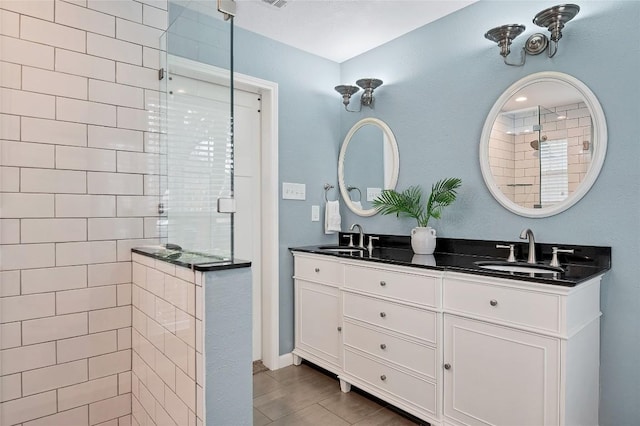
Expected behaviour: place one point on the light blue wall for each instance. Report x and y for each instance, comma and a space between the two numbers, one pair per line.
441, 81
309, 125
228, 347
309, 128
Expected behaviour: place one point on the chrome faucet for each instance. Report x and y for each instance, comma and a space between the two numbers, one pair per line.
361, 241
528, 234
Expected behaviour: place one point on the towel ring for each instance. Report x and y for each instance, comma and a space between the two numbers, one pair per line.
351, 188
327, 187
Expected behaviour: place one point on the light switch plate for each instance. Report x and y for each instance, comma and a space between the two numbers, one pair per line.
294, 191
373, 193
315, 213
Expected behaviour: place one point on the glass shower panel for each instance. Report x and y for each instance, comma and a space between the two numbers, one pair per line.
525, 185
197, 150
554, 180
553, 155
199, 166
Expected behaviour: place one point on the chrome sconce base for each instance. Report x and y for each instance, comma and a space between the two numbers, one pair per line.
536, 44
553, 18
367, 99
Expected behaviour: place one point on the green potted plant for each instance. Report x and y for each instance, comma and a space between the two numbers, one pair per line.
408, 203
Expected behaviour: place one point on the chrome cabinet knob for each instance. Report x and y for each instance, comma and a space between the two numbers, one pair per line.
383, 377
447, 366
383, 346
383, 283
317, 269
382, 314
493, 302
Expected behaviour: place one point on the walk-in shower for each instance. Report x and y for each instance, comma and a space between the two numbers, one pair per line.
539, 154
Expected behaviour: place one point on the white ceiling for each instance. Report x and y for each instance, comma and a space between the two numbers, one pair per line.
340, 29
546, 94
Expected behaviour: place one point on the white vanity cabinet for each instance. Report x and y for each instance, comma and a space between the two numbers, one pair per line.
318, 317
451, 348
519, 353
392, 334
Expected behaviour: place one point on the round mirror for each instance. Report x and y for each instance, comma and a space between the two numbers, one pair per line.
543, 144
368, 163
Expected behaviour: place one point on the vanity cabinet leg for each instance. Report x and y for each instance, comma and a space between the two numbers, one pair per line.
345, 386
297, 360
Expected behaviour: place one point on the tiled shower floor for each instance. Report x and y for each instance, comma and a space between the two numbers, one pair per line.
304, 396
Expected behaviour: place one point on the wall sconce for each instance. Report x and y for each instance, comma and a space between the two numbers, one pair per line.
552, 18
367, 99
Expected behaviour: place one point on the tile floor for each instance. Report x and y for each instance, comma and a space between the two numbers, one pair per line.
306, 396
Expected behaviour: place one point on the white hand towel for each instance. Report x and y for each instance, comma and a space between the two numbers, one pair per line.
332, 219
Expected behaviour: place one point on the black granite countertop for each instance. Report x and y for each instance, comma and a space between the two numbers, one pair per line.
196, 261
461, 255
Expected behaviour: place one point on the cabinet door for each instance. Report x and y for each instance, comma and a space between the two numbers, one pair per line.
496, 375
318, 320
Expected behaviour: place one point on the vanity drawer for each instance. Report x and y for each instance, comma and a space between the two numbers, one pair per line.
320, 270
395, 382
392, 316
510, 305
408, 287
414, 356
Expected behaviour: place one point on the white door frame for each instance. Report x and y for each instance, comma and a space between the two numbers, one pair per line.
269, 193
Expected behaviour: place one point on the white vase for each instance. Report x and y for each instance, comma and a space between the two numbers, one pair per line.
423, 240
424, 259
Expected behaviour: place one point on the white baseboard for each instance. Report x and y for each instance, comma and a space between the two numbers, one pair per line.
285, 360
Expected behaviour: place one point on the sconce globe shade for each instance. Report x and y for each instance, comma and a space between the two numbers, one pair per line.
345, 89
504, 35
555, 17
369, 83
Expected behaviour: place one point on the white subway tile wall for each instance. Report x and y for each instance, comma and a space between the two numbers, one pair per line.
10, 75
53, 132
515, 163
18, 102
78, 189
25, 52
164, 373
10, 284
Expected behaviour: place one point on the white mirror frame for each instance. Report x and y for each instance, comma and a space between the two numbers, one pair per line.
391, 172
599, 146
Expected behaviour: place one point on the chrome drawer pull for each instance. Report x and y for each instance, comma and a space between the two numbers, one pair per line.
317, 269
493, 302
383, 283
383, 377
382, 314
383, 346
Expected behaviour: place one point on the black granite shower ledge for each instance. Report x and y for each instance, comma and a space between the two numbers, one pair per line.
192, 260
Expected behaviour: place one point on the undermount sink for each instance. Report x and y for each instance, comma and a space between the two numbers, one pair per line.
341, 249
518, 267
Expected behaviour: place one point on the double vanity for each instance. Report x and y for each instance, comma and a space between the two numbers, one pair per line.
481, 332
450, 341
